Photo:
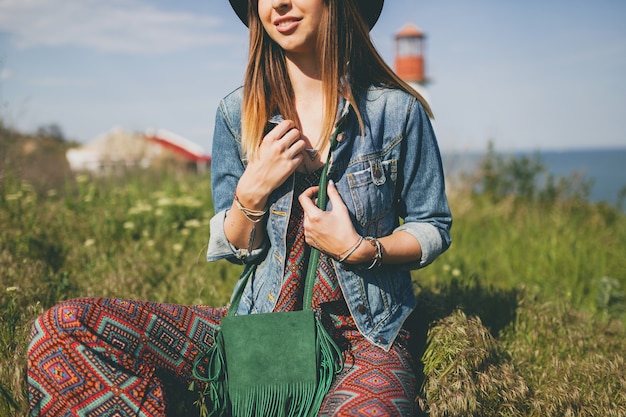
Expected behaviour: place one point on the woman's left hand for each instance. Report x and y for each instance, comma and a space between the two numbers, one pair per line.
331, 231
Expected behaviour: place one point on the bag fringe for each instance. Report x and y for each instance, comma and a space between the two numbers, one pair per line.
216, 375
267, 399
330, 364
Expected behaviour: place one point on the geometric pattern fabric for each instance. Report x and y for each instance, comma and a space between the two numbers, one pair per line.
102, 357
373, 383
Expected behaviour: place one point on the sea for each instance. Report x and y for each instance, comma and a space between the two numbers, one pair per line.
606, 168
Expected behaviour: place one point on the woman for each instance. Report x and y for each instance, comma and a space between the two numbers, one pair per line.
309, 61
311, 65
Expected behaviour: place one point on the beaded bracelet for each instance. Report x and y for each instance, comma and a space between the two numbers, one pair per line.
378, 257
351, 250
249, 213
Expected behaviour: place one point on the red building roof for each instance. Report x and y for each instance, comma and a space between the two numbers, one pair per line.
178, 145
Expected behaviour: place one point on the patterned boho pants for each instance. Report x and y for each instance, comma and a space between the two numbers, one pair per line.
108, 357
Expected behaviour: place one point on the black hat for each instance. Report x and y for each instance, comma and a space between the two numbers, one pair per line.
370, 10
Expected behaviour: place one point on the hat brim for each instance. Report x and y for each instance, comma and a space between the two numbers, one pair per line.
370, 10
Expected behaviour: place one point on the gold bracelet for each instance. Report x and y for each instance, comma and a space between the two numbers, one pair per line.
254, 216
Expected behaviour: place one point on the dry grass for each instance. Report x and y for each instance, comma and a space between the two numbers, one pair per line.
551, 361
573, 362
467, 373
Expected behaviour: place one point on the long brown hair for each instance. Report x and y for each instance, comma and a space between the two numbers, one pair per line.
350, 63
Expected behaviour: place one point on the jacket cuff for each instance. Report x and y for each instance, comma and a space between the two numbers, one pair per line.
220, 248
429, 239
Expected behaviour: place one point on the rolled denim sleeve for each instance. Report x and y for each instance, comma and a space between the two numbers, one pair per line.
423, 200
221, 248
429, 238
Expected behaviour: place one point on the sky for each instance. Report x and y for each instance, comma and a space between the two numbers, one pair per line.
525, 75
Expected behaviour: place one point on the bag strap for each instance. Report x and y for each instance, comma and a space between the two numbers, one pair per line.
314, 256
234, 305
322, 198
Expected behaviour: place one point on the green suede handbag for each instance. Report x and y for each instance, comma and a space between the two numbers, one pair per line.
272, 364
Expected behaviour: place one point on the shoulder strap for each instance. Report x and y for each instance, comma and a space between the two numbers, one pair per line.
322, 198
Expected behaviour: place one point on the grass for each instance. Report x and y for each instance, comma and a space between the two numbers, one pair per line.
521, 317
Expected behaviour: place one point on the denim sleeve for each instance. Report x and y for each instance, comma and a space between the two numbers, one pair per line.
423, 201
226, 169
221, 248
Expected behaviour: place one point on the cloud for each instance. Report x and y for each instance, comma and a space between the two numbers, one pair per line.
120, 26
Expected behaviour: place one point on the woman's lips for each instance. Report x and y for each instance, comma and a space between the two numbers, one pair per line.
286, 25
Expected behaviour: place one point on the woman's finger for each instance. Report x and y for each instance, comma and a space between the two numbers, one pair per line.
307, 199
333, 195
279, 130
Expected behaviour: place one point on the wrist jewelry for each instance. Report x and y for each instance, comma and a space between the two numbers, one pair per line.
378, 256
350, 250
254, 216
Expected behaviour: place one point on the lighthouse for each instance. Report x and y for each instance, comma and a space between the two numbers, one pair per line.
409, 62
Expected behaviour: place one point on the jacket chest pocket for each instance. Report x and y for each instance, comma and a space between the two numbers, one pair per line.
372, 192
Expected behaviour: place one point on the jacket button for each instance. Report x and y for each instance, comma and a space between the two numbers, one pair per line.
361, 309
381, 340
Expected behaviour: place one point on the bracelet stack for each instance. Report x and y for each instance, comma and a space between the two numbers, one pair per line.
254, 216
345, 255
377, 260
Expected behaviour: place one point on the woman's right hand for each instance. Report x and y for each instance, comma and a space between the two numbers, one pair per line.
278, 156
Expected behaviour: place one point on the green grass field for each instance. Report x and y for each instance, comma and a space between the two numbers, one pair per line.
523, 316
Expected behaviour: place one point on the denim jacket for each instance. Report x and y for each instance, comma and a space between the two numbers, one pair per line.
390, 179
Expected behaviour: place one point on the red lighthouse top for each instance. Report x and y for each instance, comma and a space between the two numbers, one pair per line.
409, 31
410, 54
